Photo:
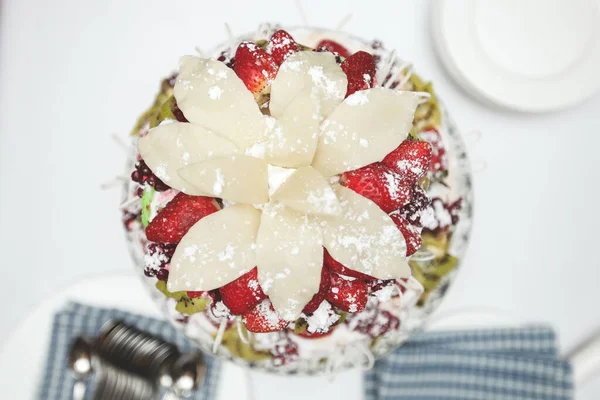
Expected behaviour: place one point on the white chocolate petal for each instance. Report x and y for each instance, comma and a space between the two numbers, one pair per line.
216, 250
364, 238
293, 140
307, 191
168, 148
365, 128
211, 94
289, 257
308, 70
239, 178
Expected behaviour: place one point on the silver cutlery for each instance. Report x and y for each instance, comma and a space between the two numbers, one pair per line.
80, 362
133, 365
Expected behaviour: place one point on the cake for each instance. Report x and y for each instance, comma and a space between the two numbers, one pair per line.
288, 200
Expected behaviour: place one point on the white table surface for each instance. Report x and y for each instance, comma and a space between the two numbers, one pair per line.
72, 72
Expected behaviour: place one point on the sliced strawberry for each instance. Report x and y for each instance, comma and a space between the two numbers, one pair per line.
439, 161
243, 293
410, 160
333, 46
178, 216
281, 46
254, 66
318, 298
338, 268
379, 184
263, 318
413, 210
412, 234
195, 295
349, 296
360, 70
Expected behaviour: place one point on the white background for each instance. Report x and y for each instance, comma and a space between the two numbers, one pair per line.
72, 72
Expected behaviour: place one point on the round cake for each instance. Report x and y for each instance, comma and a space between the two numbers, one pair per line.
298, 201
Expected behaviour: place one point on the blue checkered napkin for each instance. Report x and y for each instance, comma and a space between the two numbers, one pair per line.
507, 364
78, 319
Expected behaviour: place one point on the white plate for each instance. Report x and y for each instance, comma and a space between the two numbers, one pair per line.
526, 55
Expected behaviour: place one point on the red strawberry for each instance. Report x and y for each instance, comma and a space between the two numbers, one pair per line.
243, 293
360, 70
349, 296
439, 161
333, 47
379, 184
179, 215
338, 268
194, 295
263, 318
318, 298
281, 46
412, 234
410, 160
254, 66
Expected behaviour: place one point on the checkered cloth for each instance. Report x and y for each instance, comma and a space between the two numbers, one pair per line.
505, 364
502, 364
78, 319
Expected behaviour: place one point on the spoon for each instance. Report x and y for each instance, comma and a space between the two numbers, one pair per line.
188, 374
80, 362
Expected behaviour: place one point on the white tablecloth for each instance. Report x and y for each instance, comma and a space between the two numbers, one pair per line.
72, 72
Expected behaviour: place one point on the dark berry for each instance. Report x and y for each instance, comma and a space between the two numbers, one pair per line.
379, 284
150, 272
413, 210
160, 254
373, 322
454, 210
338, 58
162, 274
226, 58
179, 114
143, 174
285, 350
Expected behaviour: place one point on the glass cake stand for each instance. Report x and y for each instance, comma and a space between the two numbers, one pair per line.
435, 265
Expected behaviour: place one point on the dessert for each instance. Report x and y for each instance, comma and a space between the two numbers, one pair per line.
280, 200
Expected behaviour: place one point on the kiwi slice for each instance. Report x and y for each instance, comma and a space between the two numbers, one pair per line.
162, 287
237, 348
300, 326
147, 197
427, 114
166, 91
166, 111
188, 306
185, 305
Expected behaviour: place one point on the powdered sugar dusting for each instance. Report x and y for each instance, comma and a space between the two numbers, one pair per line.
357, 98
219, 182
277, 175
215, 92
322, 319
